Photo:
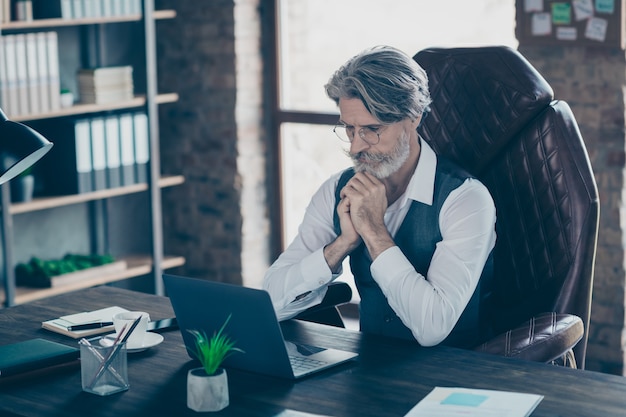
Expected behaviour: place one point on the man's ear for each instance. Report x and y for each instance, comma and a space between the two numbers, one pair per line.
417, 121
422, 116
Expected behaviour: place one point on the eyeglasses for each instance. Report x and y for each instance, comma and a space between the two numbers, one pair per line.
369, 135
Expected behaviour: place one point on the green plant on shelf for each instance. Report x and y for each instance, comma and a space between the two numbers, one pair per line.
37, 272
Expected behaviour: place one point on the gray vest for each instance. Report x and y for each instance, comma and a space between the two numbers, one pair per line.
417, 236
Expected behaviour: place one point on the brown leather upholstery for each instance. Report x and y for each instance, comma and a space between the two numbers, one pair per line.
327, 312
547, 336
495, 115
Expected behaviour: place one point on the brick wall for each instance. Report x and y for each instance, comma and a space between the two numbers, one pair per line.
212, 136
593, 82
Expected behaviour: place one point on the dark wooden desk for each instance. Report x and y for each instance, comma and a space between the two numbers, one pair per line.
388, 379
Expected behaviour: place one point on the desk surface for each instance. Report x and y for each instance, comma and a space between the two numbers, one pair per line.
388, 379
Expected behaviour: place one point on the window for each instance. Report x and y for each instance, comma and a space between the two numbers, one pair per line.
315, 37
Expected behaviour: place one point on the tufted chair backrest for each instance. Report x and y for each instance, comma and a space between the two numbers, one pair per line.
495, 115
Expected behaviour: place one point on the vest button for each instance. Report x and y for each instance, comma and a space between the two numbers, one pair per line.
388, 319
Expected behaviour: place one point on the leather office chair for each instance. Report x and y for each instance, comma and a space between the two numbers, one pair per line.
496, 116
327, 312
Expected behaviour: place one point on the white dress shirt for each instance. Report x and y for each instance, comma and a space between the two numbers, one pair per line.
429, 306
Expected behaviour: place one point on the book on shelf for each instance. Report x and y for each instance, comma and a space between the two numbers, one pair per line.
11, 107
105, 84
52, 9
465, 402
77, 9
142, 146
127, 149
117, 6
22, 75
5, 11
106, 74
113, 152
4, 86
91, 8
98, 154
33, 83
81, 175
42, 70
67, 168
60, 325
54, 80
95, 153
29, 79
107, 8
32, 355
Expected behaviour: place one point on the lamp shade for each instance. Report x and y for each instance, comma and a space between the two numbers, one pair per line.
21, 145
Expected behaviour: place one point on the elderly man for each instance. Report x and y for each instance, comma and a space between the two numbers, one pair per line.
418, 229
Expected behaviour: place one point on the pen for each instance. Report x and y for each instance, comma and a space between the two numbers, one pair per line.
101, 358
113, 352
87, 326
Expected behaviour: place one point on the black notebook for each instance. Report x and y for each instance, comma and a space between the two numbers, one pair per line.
34, 354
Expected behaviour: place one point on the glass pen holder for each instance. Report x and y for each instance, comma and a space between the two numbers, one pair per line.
103, 366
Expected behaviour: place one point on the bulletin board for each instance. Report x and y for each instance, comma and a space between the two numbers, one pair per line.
575, 22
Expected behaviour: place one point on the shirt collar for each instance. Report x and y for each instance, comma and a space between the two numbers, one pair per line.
422, 184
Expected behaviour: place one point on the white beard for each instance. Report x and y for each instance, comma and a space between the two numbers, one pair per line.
382, 165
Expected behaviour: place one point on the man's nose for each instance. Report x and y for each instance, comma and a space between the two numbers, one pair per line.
358, 144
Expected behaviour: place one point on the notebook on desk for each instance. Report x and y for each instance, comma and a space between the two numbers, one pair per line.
253, 326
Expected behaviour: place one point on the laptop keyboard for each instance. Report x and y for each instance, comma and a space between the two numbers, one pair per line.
302, 363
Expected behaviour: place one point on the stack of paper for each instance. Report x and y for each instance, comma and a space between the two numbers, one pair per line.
464, 402
106, 84
61, 324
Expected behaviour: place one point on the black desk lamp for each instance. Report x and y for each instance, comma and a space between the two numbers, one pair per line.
22, 144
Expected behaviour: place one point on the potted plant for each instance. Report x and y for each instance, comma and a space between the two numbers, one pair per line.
207, 386
67, 98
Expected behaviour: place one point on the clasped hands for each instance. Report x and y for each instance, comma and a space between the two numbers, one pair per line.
361, 214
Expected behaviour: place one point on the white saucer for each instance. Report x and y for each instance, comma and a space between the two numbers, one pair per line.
150, 340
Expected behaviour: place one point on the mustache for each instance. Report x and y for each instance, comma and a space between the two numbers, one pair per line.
360, 157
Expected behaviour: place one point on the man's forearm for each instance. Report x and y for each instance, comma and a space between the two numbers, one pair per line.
336, 251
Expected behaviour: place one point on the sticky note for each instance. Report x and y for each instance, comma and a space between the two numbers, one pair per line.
540, 24
561, 13
566, 33
533, 6
596, 29
605, 6
464, 399
583, 9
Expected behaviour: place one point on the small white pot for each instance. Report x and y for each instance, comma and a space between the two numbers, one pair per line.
207, 393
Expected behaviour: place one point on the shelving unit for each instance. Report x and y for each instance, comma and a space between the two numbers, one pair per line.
138, 264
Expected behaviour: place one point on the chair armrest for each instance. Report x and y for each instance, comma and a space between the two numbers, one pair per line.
326, 312
543, 338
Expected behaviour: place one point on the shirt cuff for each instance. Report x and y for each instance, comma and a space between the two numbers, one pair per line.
315, 271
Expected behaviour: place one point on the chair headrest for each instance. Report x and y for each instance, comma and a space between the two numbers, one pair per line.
482, 96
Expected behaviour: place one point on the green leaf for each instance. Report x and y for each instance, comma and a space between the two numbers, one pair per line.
212, 352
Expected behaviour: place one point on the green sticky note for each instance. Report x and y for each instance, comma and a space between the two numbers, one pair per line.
561, 13
467, 400
605, 6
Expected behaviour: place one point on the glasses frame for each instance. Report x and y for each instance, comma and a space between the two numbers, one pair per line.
361, 132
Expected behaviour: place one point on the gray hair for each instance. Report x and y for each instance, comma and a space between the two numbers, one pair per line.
391, 85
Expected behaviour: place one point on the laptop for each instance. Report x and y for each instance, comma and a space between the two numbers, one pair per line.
205, 305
